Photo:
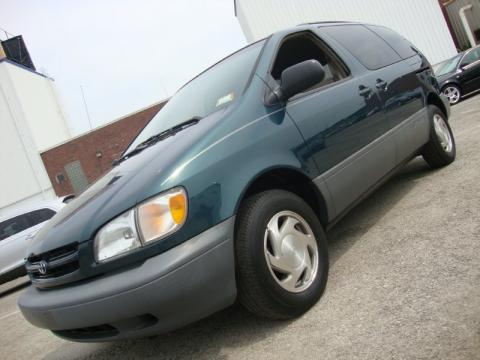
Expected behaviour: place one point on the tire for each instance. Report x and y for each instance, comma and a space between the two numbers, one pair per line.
453, 93
441, 149
261, 289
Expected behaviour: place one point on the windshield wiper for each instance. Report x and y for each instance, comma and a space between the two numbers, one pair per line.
152, 140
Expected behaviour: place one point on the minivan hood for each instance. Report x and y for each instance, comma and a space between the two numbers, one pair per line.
126, 185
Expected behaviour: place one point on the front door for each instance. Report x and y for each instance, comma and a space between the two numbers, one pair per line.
14, 235
341, 120
470, 75
342, 126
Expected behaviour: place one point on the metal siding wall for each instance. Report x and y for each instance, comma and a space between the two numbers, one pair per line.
420, 21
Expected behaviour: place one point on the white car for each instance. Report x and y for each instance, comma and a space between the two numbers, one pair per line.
16, 231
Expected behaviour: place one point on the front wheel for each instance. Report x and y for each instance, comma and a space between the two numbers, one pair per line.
281, 255
453, 93
441, 149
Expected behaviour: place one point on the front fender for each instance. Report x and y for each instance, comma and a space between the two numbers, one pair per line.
217, 178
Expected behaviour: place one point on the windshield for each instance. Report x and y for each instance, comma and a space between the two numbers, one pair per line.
219, 86
447, 66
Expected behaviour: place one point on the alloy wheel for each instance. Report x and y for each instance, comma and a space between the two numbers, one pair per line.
452, 93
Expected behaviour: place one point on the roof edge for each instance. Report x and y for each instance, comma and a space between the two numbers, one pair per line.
104, 125
8, 61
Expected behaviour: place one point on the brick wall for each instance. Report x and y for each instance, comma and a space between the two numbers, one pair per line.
95, 150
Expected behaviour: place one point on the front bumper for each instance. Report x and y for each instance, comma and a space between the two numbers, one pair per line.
180, 286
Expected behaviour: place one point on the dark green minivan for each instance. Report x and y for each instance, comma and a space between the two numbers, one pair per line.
227, 193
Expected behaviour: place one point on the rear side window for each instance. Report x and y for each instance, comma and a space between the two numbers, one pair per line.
23, 222
364, 44
41, 215
13, 226
473, 56
401, 45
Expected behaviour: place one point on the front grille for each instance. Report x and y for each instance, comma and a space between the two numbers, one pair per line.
54, 267
99, 331
109, 330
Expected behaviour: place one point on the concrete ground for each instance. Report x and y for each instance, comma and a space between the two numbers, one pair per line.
404, 283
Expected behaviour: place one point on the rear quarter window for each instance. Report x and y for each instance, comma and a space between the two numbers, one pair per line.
369, 48
401, 45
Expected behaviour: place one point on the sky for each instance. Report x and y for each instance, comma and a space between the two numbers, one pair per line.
125, 54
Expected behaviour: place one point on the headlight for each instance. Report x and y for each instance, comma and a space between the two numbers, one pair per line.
150, 221
117, 237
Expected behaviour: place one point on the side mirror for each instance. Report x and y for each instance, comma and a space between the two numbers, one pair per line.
298, 78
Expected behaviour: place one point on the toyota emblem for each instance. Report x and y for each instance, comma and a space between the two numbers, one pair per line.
42, 267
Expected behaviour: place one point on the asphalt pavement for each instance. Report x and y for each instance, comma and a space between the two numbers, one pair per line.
404, 283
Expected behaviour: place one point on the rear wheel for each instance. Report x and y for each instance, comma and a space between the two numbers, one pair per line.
281, 253
453, 93
441, 149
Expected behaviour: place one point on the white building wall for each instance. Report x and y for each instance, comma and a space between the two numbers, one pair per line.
38, 101
29, 122
420, 21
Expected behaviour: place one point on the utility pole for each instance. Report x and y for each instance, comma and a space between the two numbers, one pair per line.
86, 107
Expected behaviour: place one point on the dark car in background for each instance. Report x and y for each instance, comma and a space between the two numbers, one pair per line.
460, 75
227, 193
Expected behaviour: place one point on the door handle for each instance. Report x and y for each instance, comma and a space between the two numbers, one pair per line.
381, 84
365, 91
